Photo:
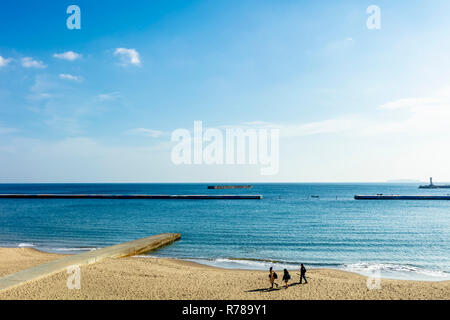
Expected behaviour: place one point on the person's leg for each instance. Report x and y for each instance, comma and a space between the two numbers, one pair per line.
306, 281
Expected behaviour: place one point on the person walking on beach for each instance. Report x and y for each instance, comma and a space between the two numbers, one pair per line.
272, 277
302, 273
286, 277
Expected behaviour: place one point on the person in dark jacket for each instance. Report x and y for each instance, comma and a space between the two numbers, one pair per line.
286, 277
302, 273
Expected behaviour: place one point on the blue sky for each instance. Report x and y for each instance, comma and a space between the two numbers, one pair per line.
352, 104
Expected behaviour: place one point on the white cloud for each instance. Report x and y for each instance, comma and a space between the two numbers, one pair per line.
69, 55
128, 56
66, 76
45, 87
409, 103
4, 130
341, 124
28, 62
4, 61
346, 123
146, 132
70, 125
26, 159
423, 117
418, 116
39, 96
108, 96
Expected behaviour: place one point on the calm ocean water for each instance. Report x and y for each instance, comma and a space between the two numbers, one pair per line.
401, 239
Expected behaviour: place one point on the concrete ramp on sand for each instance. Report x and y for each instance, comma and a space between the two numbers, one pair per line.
117, 251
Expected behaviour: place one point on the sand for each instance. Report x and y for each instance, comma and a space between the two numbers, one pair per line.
162, 278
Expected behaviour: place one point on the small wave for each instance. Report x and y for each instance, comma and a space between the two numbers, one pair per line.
63, 250
73, 249
146, 256
25, 245
249, 264
386, 270
397, 271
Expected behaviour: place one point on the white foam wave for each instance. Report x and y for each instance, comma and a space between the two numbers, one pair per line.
63, 250
25, 245
73, 249
397, 271
386, 270
244, 264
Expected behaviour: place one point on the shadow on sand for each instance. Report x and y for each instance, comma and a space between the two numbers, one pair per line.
280, 287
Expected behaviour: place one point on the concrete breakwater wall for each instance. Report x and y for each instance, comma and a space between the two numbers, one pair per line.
130, 196
399, 197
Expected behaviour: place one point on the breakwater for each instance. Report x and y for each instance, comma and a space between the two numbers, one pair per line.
399, 197
231, 187
130, 196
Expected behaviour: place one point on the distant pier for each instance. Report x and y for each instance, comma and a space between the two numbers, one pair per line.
231, 187
131, 196
398, 197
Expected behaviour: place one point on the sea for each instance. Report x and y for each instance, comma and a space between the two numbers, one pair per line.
317, 224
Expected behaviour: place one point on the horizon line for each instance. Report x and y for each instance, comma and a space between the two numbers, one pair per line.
211, 182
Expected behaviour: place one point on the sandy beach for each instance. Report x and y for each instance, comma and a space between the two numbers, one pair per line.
162, 278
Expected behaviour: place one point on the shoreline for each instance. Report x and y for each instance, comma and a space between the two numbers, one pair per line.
168, 278
295, 267
209, 262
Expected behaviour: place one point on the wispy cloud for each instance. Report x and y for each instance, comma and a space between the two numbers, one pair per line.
29, 62
109, 96
422, 117
128, 56
90, 160
40, 96
4, 130
4, 61
146, 132
67, 124
345, 123
341, 124
416, 116
66, 76
68, 55
43, 88
409, 103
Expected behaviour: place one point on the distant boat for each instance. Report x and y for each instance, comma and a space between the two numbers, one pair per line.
434, 186
231, 187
